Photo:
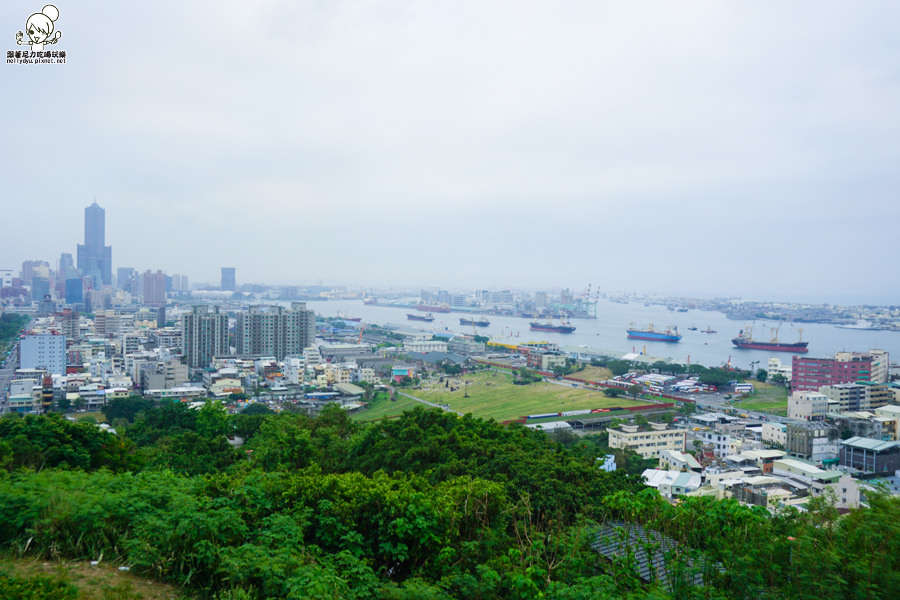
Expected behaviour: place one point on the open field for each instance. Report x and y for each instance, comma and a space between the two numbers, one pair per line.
590, 373
767, 398
381, 406
493, 395
103, 581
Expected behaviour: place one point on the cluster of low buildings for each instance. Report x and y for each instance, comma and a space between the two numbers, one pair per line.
769, 464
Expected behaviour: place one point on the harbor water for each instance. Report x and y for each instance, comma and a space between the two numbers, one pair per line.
607, 332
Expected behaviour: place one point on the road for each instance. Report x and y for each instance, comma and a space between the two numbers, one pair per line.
443, 407
6, 374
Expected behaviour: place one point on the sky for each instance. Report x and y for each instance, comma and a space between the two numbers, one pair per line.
703, 148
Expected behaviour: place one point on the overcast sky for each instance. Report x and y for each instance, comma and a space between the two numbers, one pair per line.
739, 148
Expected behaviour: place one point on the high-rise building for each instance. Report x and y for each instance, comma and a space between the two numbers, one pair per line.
125, 277
153, 288
66, 267
43, 351
94, 256
229, 282
28, 268
275, 331
204, 334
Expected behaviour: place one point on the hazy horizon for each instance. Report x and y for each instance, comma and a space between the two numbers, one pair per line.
711, 149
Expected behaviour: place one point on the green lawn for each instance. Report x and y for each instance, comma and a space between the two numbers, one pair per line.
382, 406
492, 395
767, 398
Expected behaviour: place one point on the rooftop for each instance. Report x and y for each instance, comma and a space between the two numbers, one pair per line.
869, 444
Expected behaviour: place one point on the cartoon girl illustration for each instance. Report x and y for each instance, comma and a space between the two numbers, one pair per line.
40, 29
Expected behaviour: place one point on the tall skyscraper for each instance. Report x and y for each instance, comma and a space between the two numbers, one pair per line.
204, 334
275, 331
94, 256
229, 282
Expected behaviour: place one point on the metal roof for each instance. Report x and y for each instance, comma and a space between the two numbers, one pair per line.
869, 444
619, 539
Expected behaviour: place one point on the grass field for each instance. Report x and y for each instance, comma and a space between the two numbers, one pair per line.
103, 581
493, 395
381, 406
767, 398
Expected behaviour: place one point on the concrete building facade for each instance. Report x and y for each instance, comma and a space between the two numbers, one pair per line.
45, 351
204, 334
647, 442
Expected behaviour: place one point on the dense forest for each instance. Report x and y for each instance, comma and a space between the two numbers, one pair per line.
428, 505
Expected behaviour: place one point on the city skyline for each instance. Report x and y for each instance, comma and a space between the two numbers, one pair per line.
720, 150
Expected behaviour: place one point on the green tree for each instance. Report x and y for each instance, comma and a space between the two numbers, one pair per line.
213, 420
612, 392
126, 408
762, 375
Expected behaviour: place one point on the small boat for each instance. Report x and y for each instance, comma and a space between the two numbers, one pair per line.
710, 330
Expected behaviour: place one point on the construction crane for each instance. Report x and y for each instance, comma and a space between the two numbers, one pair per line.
362, 328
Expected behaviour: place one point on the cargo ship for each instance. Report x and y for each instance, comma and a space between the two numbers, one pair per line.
428, 318
745, 340
669, 335
475, 322
563, 327
443, 308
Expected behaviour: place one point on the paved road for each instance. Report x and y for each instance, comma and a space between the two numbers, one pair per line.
443, 407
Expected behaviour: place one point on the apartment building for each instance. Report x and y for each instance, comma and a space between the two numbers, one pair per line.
648, 441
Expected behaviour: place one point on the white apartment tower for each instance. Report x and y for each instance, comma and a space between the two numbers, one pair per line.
204, 334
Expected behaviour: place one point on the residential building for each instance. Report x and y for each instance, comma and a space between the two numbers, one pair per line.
774, 433
719, 442
275, 331
678, 461
672, 484
107, 323
163, 375
891, 412
46, 351
204, 334
808, 406
865, 424
153, 288
648, 442
776, 367
845, 397
94, 256
815, 441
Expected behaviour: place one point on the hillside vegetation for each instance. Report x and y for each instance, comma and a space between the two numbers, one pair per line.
427, 505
